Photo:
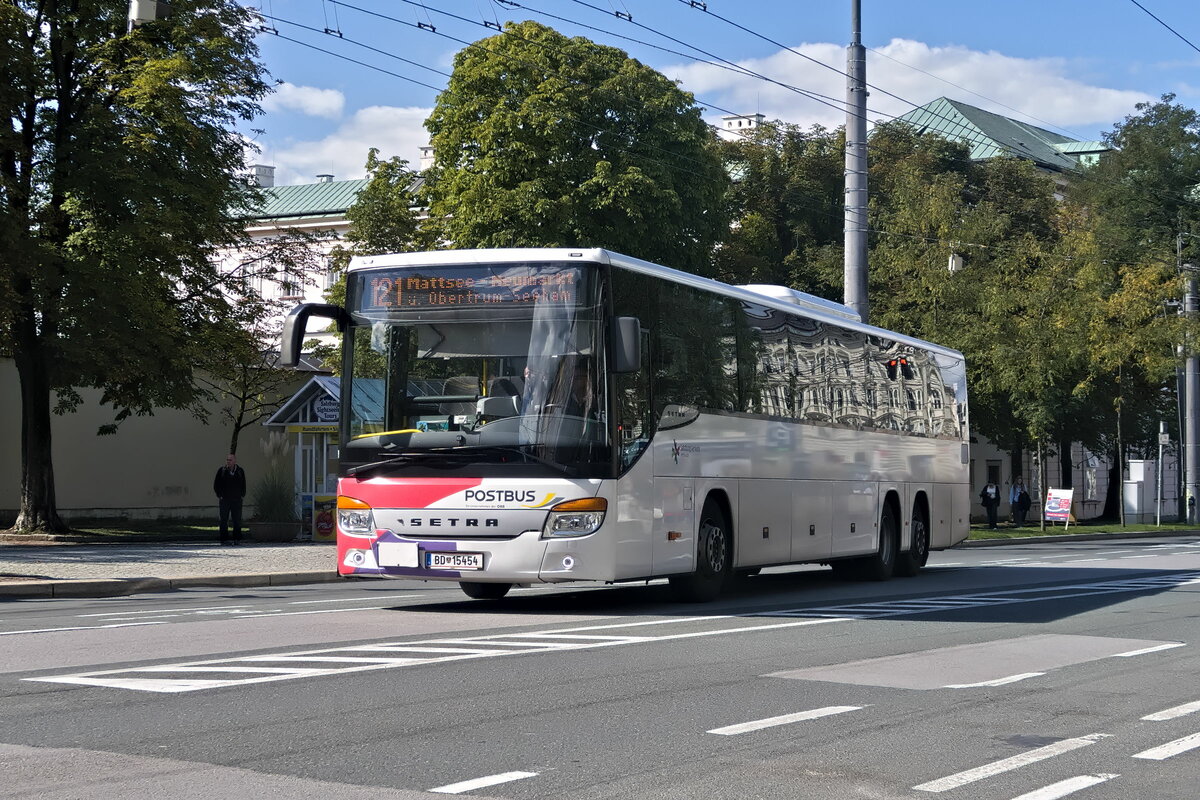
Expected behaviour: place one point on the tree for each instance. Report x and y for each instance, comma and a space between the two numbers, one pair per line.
383, 219
118, 187
541, 140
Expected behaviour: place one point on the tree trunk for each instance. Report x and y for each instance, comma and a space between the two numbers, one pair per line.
39, 507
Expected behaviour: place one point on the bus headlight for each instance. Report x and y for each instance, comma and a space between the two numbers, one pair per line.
354, 517
575, 518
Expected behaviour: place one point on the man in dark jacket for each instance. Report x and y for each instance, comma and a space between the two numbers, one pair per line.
230, 488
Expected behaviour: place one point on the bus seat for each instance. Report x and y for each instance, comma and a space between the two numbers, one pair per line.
506, 384
497, 407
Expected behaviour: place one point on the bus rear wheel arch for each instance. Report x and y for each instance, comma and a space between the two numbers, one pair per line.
714, 556
880, 565
909, 562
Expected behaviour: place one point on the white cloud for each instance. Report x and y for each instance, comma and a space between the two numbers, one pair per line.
309, 100
1039, 90
394, 131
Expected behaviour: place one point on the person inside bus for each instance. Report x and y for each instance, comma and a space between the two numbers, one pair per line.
580, 401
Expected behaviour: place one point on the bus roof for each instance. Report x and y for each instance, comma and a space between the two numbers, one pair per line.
778, 297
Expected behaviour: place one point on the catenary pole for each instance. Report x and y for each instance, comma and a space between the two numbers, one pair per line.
855, 224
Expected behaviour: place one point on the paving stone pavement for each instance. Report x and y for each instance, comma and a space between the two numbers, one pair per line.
83, 570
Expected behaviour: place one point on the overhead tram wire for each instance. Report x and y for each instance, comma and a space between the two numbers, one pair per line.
964, 132
338, 34
448, 92
959, 243
476, 45
977, 94
1165, 25
702, 7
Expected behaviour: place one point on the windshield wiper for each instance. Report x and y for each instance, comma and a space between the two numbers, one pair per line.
475, 448
460, 454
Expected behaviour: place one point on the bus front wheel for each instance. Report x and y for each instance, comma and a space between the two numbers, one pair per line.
714, 558
484, 591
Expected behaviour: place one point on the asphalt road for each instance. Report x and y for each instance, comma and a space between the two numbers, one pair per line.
1031, 671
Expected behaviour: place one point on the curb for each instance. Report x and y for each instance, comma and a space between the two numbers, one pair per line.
115, 587
1072, 537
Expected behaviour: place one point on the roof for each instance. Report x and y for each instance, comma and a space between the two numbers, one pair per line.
323, 199
990, 135
310, 200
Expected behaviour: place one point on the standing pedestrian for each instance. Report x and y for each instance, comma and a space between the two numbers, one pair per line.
990, 497
230, 488
1018, 498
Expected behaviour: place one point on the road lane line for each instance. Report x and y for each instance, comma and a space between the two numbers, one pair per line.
1069, 786
354, 599
165, 610
1173, 713
1007, 764
481, 783
302, 613
786, 719
1165, 751
1155, 649
997, 682
81, 628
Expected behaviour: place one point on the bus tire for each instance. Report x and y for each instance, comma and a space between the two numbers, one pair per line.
484, 591
909, 563
714, 558
879, 567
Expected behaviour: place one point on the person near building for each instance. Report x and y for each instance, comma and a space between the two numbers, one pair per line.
1018, 499
990, 497
229, 486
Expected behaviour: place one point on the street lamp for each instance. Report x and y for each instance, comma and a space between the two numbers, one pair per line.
1191, 387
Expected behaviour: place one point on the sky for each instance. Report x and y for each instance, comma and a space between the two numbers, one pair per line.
1076, 68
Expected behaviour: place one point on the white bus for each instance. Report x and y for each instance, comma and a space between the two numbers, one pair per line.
534, 416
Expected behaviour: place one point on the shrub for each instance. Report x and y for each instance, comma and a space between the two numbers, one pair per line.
275, 494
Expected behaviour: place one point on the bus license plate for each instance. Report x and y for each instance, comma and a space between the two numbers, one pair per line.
452, 560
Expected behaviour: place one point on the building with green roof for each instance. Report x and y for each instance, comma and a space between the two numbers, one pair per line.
990, 135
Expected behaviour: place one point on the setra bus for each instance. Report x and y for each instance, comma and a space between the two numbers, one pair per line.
533, 416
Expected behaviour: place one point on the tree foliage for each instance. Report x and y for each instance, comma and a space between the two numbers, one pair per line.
543, 140
118, 184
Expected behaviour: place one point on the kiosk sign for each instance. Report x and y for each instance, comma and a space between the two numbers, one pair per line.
1058, 504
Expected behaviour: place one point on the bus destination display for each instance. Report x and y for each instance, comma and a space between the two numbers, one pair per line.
463, 287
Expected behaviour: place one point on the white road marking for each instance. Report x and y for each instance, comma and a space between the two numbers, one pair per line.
480, 783
786, 719
1173, 713
1007, 764
80, 628
165, 610
1150, 555
355, 599
996, 682
1069, 786
1165, 751
1155, 649
302, 613
557, 640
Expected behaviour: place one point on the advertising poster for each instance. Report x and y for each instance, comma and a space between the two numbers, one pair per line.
1058, 505
324, 511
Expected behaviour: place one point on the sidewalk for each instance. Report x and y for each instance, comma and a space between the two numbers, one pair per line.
56, 569
59, 567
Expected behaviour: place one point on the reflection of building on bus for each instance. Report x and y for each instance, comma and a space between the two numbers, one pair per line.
635, 423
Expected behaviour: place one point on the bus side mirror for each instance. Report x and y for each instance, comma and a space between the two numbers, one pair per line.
295, 322
626, 345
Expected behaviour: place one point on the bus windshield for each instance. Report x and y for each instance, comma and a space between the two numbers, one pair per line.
477, 364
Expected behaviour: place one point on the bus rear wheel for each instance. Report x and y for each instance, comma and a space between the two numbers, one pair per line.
484, 591
880, 565
910, 562
714, 558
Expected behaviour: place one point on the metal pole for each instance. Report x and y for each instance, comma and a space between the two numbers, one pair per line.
855, 221
1158, 469
1191, 388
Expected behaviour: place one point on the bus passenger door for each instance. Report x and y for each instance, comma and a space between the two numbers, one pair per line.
812, 519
